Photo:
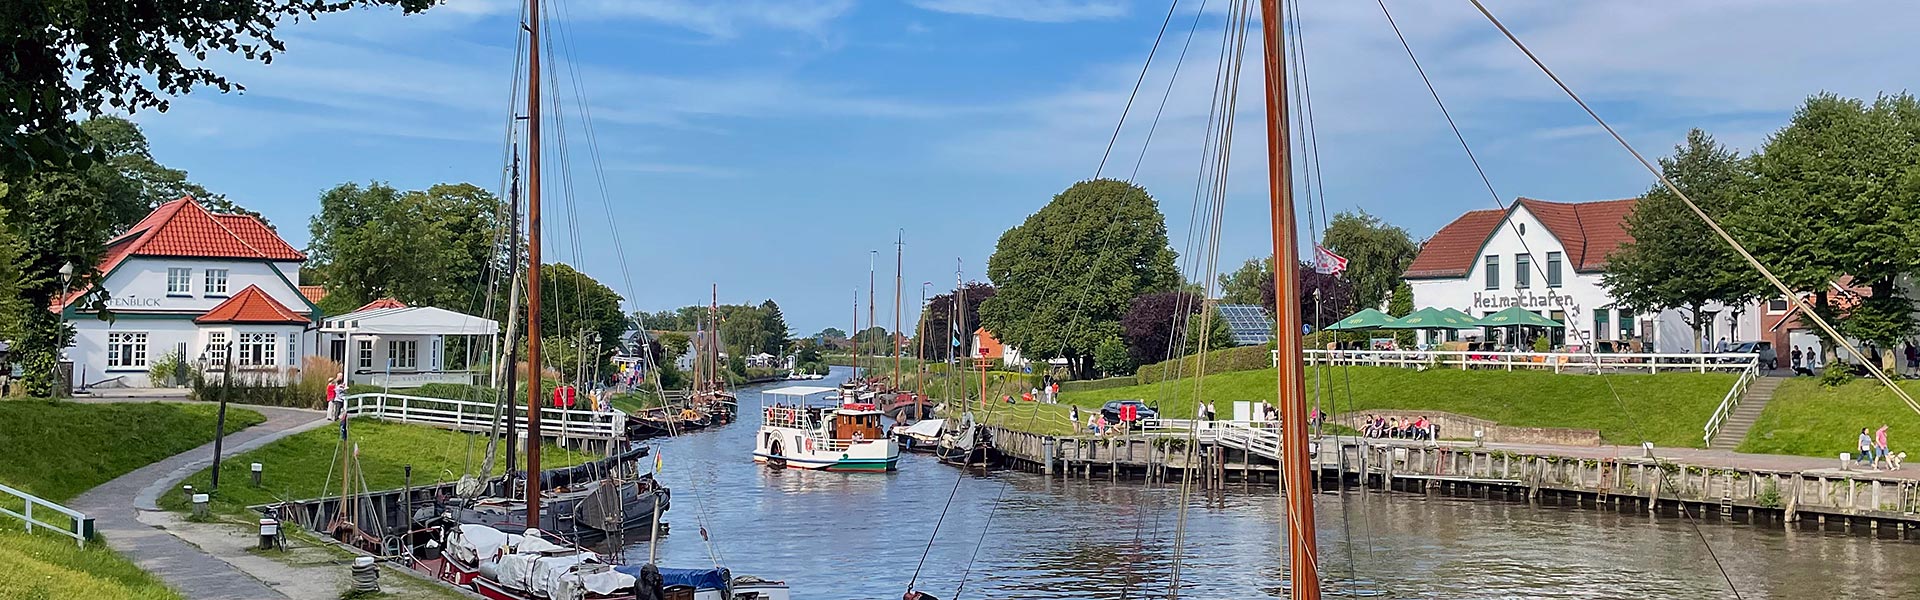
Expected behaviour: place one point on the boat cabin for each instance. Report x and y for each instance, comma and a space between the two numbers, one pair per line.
857, 422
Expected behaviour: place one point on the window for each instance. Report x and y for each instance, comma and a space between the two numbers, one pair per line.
127, 350
257, 349
1522, 271
366, 354
1553, 269
179, 281
1626, 324
293, 350
401, 354
216, 282
1777, 305
1600, 323
1493, 272
216, 351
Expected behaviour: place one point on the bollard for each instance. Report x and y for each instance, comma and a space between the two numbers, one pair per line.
254, 470
199, 505
1846, 462
1646, 449
269, 533
366, 577
1479, 438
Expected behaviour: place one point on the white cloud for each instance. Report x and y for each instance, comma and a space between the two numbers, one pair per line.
1044, 11
717, 19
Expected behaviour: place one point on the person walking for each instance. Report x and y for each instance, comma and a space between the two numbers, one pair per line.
1796, 358
1880, 447
1865, 446
1073, 414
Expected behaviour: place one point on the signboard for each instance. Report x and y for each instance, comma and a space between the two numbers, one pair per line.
1524, 299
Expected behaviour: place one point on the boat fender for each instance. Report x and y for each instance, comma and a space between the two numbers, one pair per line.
809, 444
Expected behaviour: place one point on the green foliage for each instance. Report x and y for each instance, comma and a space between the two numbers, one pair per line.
737, 365
1217, 335
56, 450
1376, 253
162, 370
1667, 409
304, 465
1808, 418
1674, 261
1067, 275
259, 390
1402, 305
42, 565
432, 247
1542, 344
1833, 196
1243, 285
1243, 358
1836, 376
57, 219
1111, 357
1769, 496
1087, 385
747, 329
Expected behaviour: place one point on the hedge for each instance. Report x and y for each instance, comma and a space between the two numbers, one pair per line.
1098, 384
1243, 358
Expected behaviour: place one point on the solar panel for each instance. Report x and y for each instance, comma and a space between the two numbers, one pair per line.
1248, 324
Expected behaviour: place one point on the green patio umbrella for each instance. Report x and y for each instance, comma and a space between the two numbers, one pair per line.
1460, 315
1365, 319
1431, 318
1518, 316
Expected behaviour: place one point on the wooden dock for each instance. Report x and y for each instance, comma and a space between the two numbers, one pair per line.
1761, 489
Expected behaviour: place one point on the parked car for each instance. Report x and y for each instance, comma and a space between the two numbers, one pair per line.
1769, 359
1141, 411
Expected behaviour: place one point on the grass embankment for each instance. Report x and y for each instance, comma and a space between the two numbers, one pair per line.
52, 567
56, 450
1808, 419
305, 465
1668, 409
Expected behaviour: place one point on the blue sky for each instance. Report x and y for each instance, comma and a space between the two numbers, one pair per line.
768, 145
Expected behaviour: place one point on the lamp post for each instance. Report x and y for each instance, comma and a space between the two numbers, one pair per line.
220, 422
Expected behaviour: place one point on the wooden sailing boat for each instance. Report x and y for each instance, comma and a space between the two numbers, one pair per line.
1295, 465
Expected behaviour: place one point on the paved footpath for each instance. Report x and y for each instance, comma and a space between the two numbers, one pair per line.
116, 507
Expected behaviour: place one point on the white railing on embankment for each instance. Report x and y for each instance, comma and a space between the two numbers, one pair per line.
1727, 404
1261, 438
1554, 361
467, 415
73, 523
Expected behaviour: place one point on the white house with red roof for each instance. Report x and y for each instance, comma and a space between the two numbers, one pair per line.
205, 286
1548, 258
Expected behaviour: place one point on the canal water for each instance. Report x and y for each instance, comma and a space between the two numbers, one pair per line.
858, 536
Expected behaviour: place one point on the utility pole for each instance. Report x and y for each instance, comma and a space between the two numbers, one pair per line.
220, 422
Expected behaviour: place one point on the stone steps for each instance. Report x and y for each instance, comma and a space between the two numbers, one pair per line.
1752, 403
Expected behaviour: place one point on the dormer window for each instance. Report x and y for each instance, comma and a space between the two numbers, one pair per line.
179, 281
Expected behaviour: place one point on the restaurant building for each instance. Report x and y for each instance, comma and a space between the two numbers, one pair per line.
1548, 258
197, 285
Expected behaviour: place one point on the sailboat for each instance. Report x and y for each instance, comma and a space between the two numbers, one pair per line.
471, 544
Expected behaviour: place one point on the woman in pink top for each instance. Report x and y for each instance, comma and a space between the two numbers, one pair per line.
1880, 446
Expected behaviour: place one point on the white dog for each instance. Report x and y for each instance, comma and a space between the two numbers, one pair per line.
1896, 458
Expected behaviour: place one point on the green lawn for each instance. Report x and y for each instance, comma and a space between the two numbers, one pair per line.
1668, 409
1809, 419
56, 450
298, 466
45, 566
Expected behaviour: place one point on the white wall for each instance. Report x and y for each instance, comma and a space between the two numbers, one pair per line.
89, 350
140, 284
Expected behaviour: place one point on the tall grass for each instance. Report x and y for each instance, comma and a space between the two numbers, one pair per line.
56, 450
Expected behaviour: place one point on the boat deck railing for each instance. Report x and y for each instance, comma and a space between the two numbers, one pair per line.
467, 415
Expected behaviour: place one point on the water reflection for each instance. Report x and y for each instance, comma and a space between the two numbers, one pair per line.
839, 536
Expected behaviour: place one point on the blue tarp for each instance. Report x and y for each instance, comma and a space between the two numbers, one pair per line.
699, 579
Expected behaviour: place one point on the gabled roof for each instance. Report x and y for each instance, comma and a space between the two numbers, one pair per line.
251, 306
1587, 231
313, 293
387, 302
183, 228
410, 320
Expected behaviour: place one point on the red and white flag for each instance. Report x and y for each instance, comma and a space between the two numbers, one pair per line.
1325, 262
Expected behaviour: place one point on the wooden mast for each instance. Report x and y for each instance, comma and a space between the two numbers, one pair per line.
854, 336
1292, 394
872, 321
534, 371
899, 251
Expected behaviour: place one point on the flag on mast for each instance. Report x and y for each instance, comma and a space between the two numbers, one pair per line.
1325, 262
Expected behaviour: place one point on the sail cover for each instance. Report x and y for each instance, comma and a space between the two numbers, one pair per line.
699, 579
928, 429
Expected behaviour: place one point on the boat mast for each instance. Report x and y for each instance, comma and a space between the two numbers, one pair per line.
871, 321
893, 341
1292, 395
713, 339
510, 351
920, 353
533, 264
854, 336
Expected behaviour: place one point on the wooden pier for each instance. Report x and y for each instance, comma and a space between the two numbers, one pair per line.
1760, 489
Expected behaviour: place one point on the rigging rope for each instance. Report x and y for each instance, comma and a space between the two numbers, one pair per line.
1136, 90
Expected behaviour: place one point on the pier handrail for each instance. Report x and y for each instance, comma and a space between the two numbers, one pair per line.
467, 415
1727, 404
79, 526
1555, 361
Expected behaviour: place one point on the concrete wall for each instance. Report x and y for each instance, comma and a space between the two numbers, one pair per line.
1453, 426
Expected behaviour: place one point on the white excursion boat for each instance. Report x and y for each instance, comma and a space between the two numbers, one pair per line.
840, 437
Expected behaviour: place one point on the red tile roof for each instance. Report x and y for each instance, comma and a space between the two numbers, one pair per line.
314, 293
1587, 231
182, 228
251, 306
387, 302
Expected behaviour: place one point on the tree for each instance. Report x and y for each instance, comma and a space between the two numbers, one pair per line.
1066, 275
1674, 261
773, 328
1377, 254
673, 345
435, 247
1401, 305
68, 58
56, 219
575, 306
1112, 358
126, 151
1156, 325
938, 329
1336, 296
1244, 285
831, 334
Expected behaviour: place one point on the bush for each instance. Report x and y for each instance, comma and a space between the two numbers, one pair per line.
1243, 358
1837, 375
1097, 384
167, 369
1542, 344
259, 389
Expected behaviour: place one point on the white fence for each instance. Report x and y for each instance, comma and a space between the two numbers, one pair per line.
1578, 362
72, 523
466, 415
1727, 404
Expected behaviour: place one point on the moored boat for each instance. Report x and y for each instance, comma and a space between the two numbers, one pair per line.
504, 566
922, 436
843, 437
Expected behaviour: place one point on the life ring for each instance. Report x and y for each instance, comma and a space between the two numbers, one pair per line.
809, 444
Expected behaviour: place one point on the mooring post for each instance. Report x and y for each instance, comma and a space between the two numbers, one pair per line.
1046, 456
